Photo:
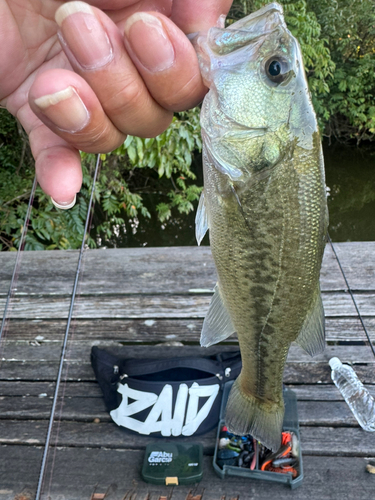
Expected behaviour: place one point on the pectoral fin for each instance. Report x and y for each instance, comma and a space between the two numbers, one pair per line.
201, 220
217, 324
312, 337
219, 163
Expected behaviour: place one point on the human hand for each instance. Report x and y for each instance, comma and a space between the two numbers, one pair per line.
121, 71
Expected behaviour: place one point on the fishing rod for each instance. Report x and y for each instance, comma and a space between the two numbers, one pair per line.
65, 342
352, 296
21, 247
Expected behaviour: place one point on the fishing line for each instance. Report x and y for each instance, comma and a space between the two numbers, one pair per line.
65, 342
352, 296
17, 264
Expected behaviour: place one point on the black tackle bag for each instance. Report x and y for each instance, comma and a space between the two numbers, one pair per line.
164, 397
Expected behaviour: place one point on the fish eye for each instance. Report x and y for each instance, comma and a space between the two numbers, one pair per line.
274, 69
277, 69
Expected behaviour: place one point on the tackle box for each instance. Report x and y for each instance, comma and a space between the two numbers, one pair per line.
173, 463
290, 424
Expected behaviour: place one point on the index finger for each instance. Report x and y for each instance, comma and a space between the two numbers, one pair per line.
197, 15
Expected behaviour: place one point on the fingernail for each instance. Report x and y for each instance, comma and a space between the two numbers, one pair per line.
149, 41
64, 205
65, 109
84, 35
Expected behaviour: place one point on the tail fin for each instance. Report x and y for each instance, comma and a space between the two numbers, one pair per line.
247, 415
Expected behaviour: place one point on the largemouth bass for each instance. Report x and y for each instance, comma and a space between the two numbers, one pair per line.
264, 203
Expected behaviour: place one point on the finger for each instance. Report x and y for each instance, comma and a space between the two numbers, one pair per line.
64, 102
166, 60
57, 164
197, 15
95, 48
117, 7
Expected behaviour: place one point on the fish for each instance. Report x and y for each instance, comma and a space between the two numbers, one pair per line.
264, 204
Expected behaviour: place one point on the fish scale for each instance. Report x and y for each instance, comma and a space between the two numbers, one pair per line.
264, 204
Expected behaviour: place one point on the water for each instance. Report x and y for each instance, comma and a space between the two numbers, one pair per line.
350, 176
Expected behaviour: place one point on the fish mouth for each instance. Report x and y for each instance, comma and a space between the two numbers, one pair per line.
242, 133
235, 130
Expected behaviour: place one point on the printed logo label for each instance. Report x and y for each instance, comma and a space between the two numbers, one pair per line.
160, 457
186, 417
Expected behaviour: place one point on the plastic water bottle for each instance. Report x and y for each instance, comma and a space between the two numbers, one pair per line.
355, 394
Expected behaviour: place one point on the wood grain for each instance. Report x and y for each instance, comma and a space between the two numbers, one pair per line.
161, 270
137, 302
325, 477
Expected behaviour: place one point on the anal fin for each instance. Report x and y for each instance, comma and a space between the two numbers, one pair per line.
217, 324
312, 335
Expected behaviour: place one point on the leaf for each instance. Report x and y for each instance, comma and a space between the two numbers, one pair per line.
110, 203
132, 153
128, 141
164, 211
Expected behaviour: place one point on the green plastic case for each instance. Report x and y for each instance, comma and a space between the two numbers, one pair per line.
290, 424
173, 463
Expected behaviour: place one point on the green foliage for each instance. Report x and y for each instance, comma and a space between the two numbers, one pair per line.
171, 151
160, 165
349, 27
49, 227
15, 180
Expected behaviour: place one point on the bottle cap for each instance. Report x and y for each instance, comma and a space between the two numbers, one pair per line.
334, 363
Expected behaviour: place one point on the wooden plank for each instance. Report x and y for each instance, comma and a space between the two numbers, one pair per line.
23, 432
88, 435
312, 413
76, 472
315, 440
358, 262
127, 270
330, 275
79, 351
47, 389
13, 483
321, 392
157, 330
306, 392
337, 441
321, 413
320, 373
295, 373
178, 269
158, 306
301, 370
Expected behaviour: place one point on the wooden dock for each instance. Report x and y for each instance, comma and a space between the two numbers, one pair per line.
151, 302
